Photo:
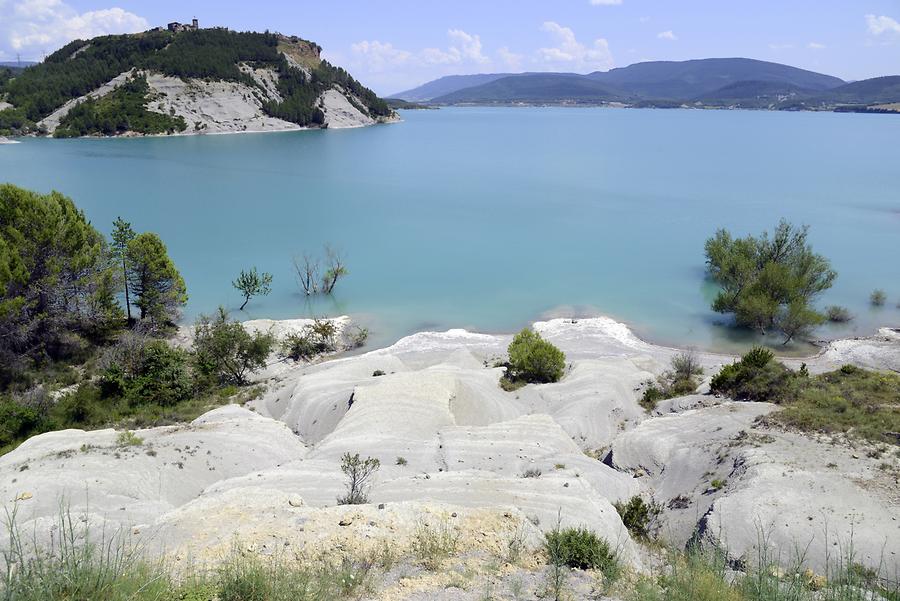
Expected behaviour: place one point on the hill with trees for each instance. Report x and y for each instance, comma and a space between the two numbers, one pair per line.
668, 80
536, 87
705, 83
280, 77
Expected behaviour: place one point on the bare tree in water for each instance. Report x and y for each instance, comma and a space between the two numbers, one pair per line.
307, 268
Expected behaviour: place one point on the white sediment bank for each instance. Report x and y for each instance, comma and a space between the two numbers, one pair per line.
254, 473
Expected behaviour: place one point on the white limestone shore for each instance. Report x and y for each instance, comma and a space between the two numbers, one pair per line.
255, 473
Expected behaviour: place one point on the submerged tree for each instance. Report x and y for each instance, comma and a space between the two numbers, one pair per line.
769, 283
252, 283
336, 269
123, 234
308, 267
158, 288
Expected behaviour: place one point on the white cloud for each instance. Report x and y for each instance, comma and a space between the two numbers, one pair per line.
512, 60
467, 45
882, 24
570, 53
667, 35
377, 56
606, 2
380, 55
816, 46
780, 46
389, 69
35, 26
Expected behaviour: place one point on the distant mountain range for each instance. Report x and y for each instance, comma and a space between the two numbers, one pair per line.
715, 83
16, 64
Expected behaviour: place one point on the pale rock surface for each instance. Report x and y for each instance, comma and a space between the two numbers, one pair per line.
215, 106
270, 477
780, 487
340, 112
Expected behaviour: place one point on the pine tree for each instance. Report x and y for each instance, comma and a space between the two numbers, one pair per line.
121, 236
155, 282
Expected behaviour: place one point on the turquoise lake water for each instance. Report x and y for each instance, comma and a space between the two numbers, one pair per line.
489, 218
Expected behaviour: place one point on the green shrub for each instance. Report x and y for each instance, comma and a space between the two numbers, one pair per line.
652, 395
864, 404
679, 381
638, 516
113, 382
756, 377
356, 337
533, 359
81, 407
757, 357
128, 439
318, 338
878, 298
837, 314
17, 421
298, 347
225, 352
162, 379
582, 549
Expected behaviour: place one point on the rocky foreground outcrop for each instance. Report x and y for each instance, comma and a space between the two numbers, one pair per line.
456, 449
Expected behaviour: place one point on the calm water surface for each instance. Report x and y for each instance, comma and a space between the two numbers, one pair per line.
488, 218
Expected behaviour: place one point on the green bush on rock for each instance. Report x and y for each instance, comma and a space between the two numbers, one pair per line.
679, 381
638, 516
851, 400
582, 549
225, 352
532, 359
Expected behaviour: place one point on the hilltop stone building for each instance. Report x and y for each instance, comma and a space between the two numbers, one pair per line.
177, 27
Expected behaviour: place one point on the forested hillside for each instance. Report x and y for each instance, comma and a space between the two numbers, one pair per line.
705, 83
82, 66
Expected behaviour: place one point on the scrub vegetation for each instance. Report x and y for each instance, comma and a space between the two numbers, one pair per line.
678, 381
853, 401
72, 356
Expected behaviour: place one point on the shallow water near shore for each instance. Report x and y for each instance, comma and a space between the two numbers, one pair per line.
489, 218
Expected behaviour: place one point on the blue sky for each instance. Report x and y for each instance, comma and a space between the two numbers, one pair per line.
395, 45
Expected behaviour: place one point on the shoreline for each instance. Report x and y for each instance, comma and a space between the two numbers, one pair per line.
601, 327
204, 133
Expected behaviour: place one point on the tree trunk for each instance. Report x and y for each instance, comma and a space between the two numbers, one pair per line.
246, 300
127, 299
